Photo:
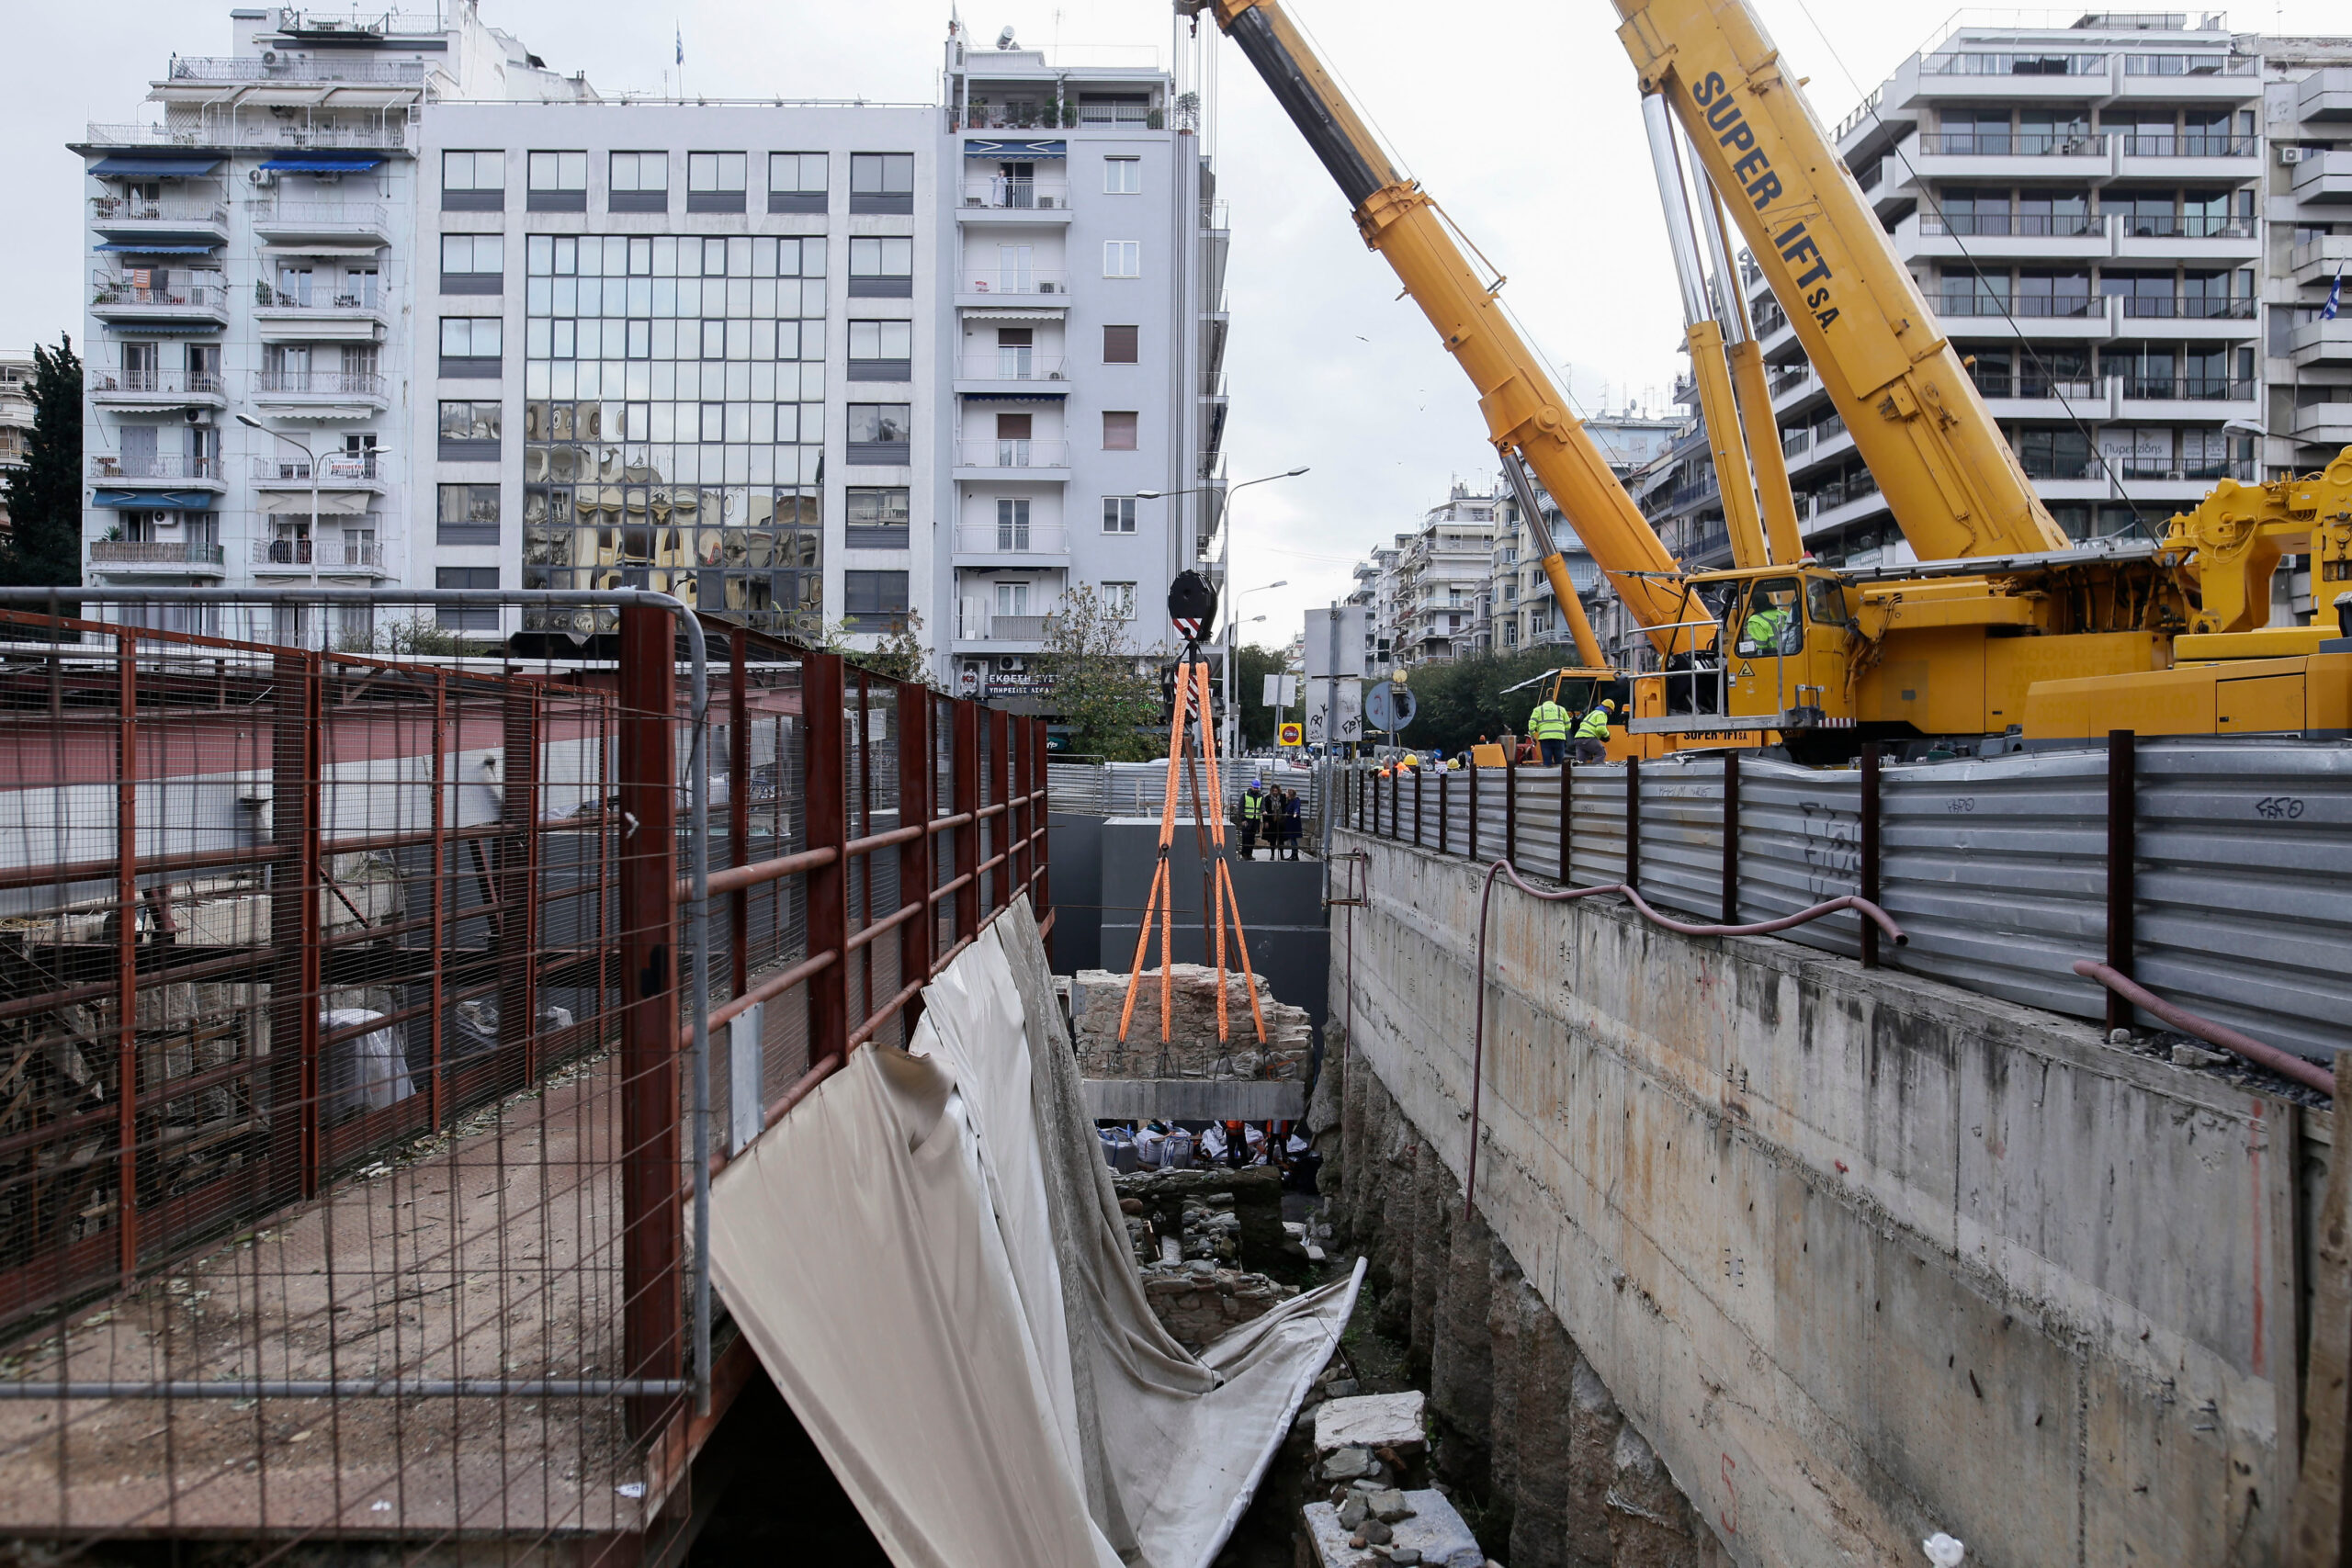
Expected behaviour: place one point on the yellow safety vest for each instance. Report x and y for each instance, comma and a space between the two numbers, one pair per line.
1252, 805
1549, 721
1595, 725
1764, 629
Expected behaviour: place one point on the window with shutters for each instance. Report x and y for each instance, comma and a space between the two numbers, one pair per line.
1118, 430
1119, 346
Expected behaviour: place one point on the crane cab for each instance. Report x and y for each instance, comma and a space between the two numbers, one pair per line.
1761, 648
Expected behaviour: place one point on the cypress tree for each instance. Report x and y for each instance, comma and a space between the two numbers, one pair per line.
43, 548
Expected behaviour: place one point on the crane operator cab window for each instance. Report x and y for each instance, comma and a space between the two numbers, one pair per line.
1825, 603
1770, 625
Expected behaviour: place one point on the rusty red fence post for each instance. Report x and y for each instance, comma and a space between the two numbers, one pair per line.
915, 876
650, 1222
1870, 849
824, 795
999, 796
125, 845
293, 920
516, 932
1040, 766
739, 809
439, 920
2122, 856
964, 758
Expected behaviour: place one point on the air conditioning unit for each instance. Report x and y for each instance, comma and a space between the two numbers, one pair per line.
2292, 154
1049, 287
2174, 474
262, 177
1046, 201
1011, 664
269, 57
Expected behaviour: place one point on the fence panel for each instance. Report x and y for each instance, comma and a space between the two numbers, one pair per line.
1682, 836
1539, 821
1598, 830
1800, 843
2245, 888
1996, 871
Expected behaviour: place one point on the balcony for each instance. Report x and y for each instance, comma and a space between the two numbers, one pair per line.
282, 317
2319, 261
139, 557
336, 470
1012, 370
985, 460
227, 131
2329, 424
2025, 155
2189, 236
2206, 76
124, 303
320, 393
2322, 343
2183, 397
154, 388
2325, 93
980, 286
2189, 316
122, 218
305, 557
2324, 177
288, 66
996, 544
1005, 198
344, 222
977, 630
176, 472
2031, 395
2007, 236
2189, 156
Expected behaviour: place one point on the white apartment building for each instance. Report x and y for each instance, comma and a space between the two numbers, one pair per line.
817, 365
1440, 578
1519, 610
2128, 224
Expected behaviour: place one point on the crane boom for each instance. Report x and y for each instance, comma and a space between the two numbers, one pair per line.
1525, 412
1918, 421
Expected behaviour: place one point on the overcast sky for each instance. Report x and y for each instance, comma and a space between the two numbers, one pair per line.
1519, 116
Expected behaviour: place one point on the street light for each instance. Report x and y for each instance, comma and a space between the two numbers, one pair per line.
1233, 624
310, 459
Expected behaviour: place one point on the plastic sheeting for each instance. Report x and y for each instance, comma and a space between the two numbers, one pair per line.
929, 1258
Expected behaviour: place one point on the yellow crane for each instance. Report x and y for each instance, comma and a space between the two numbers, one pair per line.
2001, 605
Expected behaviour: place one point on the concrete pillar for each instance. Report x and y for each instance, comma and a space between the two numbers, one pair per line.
1548, 1360
1594, 1425
1437, 1204
1506, 1344
1462, 1367
1399, 1200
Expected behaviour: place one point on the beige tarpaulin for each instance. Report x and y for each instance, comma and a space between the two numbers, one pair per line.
929, 1257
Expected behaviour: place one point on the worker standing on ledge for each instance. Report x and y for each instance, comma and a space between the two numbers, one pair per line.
1549, 723
1254, 812
1592, 734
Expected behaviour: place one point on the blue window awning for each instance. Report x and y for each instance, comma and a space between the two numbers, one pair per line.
136, 249
164, 329
157, 500
156, 166
353, 163
994, 147
1042, 395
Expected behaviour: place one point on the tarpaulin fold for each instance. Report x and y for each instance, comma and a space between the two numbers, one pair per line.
927, 1256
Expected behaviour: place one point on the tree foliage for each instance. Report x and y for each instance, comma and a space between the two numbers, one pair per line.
1455, 703
899, 656
43, 548
1104, 687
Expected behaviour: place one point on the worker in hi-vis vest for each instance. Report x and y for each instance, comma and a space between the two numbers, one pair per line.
1593, 732
1549, 723
1253, 813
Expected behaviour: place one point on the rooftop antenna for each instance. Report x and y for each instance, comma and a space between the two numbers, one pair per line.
1004, 39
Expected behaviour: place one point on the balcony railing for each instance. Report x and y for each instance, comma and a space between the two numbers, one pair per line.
338, 468
2203, 64
1213, 384
290, 67
2044, 225
154, 552
2012, 63
1117, 114
186, 295
2187, 389
2188, 144
1217, 214
1788, 380
358, 216
2067, 389
174, 465
156, 383
2187, 307
317, 384
2184, 226
269, 298
979, 625
226, 130
1015, 280
1000, 538
2160, 470
1016, 194
125, 209
2042, 307
1013, 365
2014, 144
328, 555
1011, 454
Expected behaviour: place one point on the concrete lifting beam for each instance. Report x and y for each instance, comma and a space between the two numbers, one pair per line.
1849, 1256
1194, 1100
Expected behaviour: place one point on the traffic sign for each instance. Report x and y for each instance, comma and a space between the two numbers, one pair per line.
1294, 735
1388, 707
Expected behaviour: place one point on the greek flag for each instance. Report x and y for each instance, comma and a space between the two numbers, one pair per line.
2335, 297
682, 44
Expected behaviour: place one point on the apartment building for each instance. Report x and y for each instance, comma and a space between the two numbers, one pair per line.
1078, 426
1432, 590
1521, 610
2125, 224
390, 301
15, 418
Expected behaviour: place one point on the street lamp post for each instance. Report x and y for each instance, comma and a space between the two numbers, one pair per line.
1225, 571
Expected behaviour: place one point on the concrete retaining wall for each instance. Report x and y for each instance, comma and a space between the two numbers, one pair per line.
1860, 1257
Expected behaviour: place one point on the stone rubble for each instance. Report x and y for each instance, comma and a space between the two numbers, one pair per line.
1098, 996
